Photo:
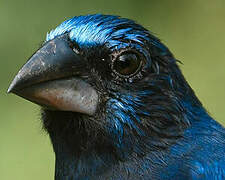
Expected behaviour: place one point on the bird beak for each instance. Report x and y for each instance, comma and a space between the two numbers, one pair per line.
50, 78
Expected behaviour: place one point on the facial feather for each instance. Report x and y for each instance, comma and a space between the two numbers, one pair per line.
138, 113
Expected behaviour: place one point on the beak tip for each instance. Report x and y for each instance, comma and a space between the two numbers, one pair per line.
9, 91
13, 85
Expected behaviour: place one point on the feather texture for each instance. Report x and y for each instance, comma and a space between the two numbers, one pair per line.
148, 126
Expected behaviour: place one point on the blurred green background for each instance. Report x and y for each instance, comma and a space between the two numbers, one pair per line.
194, 30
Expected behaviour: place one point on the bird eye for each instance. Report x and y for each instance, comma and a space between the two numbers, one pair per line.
127, 64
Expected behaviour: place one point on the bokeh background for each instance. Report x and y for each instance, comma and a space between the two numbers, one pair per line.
194, 30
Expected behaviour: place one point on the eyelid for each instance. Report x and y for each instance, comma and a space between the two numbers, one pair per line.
139, 55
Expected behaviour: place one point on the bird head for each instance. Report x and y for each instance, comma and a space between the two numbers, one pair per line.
106, 82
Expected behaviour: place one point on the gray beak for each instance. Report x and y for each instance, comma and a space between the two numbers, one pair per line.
52, 78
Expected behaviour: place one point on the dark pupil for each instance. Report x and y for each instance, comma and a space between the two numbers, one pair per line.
127, 64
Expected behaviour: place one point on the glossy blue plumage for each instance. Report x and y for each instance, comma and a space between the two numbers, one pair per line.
93, 30
156, 123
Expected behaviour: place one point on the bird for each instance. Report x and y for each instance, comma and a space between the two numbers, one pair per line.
116, 105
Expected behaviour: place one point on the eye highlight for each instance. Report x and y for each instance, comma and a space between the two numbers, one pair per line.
127, 64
